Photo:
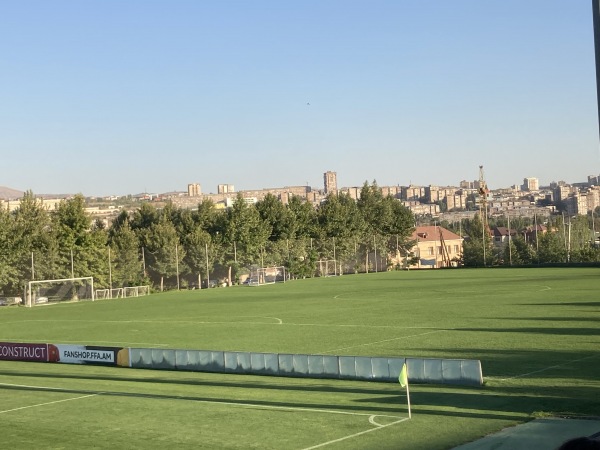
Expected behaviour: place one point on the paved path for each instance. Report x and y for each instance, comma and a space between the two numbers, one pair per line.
539, 434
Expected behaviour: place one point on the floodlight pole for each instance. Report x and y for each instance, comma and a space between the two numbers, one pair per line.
109, 274
509, 243
177, 265
207, 274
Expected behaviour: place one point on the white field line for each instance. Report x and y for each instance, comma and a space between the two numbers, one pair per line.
547, 368
279, 321
46, 403
230, 322
152, 344
61, 341
371, 420
385, 340
211, 402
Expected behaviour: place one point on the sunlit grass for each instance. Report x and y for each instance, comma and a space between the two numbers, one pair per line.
534, 330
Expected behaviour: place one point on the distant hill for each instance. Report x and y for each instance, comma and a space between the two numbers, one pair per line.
10, 194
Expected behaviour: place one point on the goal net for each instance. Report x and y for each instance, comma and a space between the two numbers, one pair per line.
64, 290
266, 275
328, 268
102, 294
136, 291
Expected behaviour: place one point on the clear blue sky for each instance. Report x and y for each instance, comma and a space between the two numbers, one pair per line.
116, 97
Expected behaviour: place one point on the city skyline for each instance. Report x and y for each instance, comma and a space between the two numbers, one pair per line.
266, 94
196, 189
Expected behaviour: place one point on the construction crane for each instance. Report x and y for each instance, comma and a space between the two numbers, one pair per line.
483, 210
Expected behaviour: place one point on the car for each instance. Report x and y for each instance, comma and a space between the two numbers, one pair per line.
8, 301
41, 300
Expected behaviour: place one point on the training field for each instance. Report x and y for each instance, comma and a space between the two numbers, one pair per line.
536, 332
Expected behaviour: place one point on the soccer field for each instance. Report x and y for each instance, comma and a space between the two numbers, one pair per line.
535, 331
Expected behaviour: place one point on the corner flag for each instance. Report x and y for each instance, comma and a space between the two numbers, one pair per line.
403, 380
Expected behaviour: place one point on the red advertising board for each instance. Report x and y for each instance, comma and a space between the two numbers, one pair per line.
16, 351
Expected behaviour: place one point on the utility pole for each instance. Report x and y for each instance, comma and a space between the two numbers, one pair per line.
483, 211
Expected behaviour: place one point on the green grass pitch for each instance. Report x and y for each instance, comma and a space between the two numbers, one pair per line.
535, 331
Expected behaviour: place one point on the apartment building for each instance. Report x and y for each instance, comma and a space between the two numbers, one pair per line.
330, 182
530, 185
194, 190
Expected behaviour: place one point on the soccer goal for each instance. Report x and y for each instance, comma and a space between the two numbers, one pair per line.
102, 294
136, 291
64, 290
266, 275
328, 268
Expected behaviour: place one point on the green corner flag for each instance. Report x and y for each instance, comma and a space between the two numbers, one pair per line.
403, 377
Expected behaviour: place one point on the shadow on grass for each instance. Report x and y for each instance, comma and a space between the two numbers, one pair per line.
378, 405
582, 303
370, 388
553, 331
542, 363
553, 319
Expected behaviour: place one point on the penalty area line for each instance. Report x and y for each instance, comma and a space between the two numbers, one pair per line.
547, 368
385, 340
45, 403
213, 402
350, 436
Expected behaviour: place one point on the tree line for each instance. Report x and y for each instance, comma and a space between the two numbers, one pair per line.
563, 240
174, 247
179, 248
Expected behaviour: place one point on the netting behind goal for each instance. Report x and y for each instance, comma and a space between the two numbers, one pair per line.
327, 267
136, 291
266, 275
102, 294
64, 290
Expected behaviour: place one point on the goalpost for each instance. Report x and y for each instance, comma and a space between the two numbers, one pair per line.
136, 291
266, 275
102, 294
63, 290
328, 268
129, 291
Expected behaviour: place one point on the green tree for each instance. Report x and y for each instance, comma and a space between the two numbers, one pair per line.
245, 235
80, 248
478, 248
551, 248
144, 217
520, 252
275, 218
301, 230
341, 225
31, 239
125, 256
202, 252
165, 253
374, 215
9, 274
397, 226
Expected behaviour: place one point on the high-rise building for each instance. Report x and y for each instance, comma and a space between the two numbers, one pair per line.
530, 184
225, 188
194, 190
330, 182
